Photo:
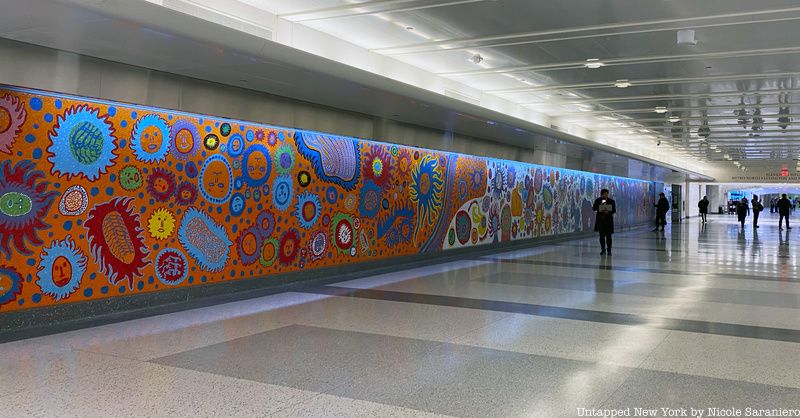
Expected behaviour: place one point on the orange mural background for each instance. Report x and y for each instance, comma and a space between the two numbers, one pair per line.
100, 199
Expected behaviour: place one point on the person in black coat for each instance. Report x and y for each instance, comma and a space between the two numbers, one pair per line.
784, 208
605, 207
757, 208
703, 206
741, 211
662, 207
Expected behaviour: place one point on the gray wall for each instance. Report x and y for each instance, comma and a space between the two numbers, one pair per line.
38, 67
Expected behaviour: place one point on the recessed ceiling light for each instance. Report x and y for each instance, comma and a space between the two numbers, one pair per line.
594, 63
674, 119
660, 109
622, 84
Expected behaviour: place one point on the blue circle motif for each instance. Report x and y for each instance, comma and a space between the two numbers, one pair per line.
282, 192
237, 204
370, 200
202, 185
331, 195
191, 169
77, 263
83, 143
235, 145
149, 153
302, 200
249, 168
10, 293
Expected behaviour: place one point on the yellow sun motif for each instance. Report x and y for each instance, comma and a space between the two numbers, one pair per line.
161, 224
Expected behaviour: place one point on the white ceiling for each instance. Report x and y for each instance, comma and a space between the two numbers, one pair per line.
735, 83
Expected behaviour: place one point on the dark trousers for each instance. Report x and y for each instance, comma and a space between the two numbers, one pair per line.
661, 220
703, 217
781, 217
755, 218
605, 241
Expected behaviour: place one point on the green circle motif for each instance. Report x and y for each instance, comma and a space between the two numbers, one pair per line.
86, 143
130, 178
15, 204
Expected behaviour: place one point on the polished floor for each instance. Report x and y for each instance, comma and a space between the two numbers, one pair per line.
696, 317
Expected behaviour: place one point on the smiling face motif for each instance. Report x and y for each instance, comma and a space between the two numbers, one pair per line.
161, 224
184, 141
152, 140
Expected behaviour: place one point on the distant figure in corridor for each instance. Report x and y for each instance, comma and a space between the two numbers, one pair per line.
741, 211
784, 209
703, 206
757, 208
662, 207
605, 207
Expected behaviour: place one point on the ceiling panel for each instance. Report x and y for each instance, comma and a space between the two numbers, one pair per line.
736, 92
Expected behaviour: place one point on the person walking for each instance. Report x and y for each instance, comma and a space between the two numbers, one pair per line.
605, 207
784, 209
662, 207
741, 211
703, 206
757, 208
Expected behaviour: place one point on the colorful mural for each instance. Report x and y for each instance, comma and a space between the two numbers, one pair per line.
100, 199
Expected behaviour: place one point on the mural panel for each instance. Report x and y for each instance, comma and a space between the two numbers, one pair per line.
100, 199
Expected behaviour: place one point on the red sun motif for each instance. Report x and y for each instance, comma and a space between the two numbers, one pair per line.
12, 117
171, 266
289, 247
378, 165
24, 202
115, 240
161, 184
186, 193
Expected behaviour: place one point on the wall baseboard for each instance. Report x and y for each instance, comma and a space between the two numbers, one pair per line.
62, 318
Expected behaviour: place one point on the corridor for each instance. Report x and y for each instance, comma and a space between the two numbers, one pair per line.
697, 317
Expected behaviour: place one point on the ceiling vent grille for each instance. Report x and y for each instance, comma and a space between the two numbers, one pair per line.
221, 18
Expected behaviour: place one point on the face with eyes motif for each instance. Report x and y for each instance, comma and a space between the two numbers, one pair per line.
184, 141
249, 244
216, 179
61, 271
161, 224
257, 165
130, 178
152, 140
15, 204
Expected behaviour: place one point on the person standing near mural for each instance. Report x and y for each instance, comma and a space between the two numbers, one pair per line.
741, 211
662, 207
605, 207
784, 208
703, 206
757, 208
